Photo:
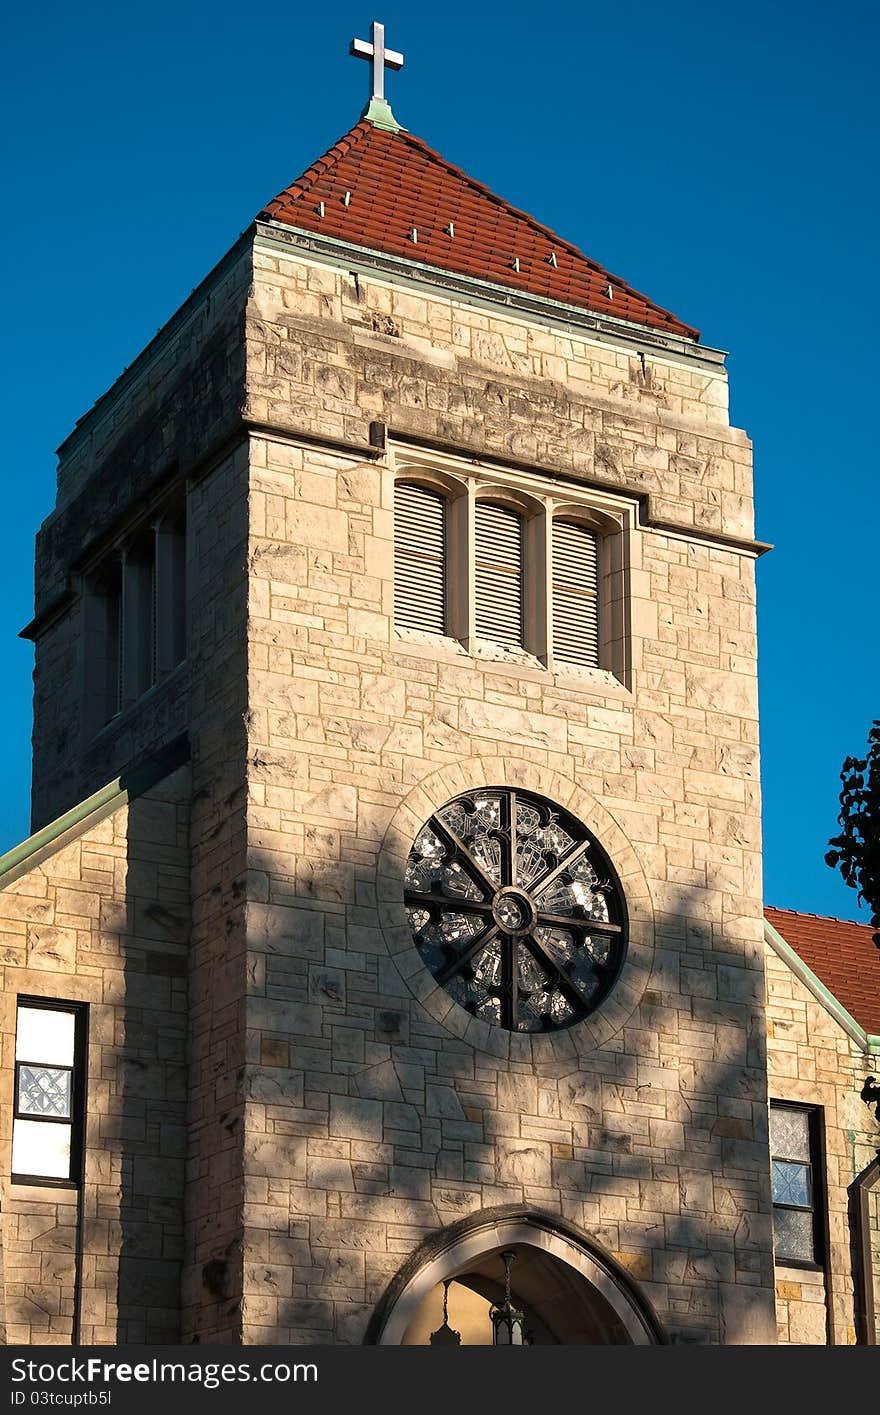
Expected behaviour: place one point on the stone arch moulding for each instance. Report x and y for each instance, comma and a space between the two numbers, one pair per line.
477, 773
593, 517
513, 497
445, 1253
423, 472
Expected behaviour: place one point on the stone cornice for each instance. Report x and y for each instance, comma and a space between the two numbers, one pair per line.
647, 519
191, 306
498, 298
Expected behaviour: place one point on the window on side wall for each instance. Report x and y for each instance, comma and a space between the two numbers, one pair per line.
135, 616
49, 1103
795, 1157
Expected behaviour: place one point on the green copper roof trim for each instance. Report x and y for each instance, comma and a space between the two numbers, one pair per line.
505, 297
378, 112
133, 782
867, 1042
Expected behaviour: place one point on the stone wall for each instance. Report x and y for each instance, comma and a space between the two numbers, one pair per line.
178, 405
173, 420
874, 1240
340, 1107
104, 920
327, 352
378, 1110
812, 1060
217, 657
207, 698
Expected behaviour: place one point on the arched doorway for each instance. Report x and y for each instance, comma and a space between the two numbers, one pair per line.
569, 1292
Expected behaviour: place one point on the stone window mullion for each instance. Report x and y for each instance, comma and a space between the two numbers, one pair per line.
538, 585
462, 598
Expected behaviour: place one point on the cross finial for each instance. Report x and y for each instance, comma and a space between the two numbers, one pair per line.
377, 110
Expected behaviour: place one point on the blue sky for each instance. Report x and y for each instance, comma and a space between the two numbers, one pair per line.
720, 159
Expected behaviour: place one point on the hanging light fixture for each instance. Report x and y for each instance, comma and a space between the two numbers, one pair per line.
508, 1323
445, 1335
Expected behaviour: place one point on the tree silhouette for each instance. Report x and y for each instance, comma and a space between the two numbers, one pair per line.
856, 851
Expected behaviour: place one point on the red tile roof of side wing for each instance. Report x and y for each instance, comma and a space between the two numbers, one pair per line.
396, 183
842, 955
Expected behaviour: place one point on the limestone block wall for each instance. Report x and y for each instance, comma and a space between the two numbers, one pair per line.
378, 1111
166, 420
206, 698
339, 1107
172, 421
328, 350
813, 1061
874, 1230
105, 920
68, 764
174, 398
217, 657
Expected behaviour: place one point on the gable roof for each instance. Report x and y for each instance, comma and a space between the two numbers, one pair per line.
397, 184
841, 954
134, 781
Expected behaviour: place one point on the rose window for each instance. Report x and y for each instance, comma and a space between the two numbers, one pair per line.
515, 909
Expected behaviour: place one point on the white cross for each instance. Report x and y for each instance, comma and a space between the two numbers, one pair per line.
382, 58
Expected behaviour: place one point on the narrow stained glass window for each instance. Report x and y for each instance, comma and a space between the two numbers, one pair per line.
48, 1114
793, 1145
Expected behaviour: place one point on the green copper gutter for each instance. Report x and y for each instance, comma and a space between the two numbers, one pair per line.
865, 1040
133, 782
500, 298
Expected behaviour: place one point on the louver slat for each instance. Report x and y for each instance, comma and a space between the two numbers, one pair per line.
575, 594
499, 574
419, 559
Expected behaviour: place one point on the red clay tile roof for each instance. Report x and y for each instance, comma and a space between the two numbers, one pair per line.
397, 183
842, 955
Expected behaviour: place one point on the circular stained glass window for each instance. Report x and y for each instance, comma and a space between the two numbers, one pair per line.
516, 910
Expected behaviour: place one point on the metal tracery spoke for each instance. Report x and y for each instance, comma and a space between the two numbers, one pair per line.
512, 910
568, 858
464, 958
450, 838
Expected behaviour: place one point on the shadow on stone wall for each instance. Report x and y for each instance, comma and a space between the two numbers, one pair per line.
149, 1118
381, 1128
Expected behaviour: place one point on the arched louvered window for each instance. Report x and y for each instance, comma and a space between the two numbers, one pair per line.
575, 594
419, 558
499, 574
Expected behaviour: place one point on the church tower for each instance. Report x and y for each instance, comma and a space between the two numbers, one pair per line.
396, 802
